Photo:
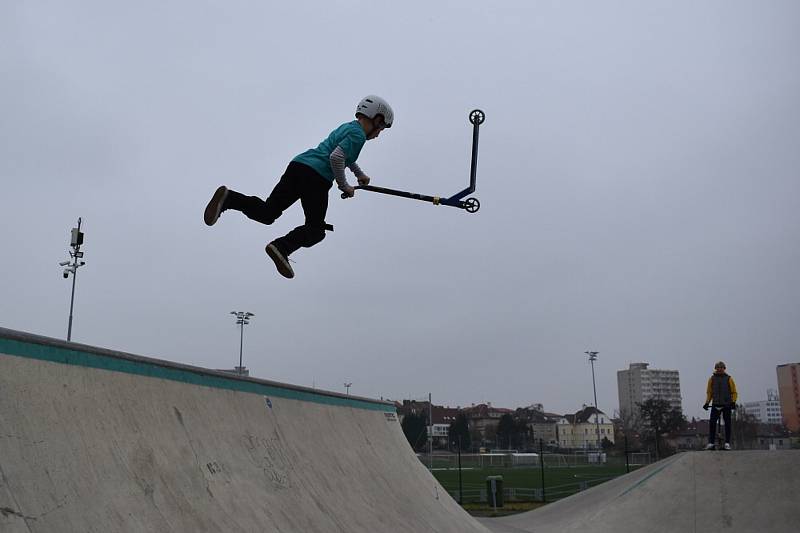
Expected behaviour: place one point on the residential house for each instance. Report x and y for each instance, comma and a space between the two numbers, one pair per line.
483, 420
542, 424
442, 418
580, 430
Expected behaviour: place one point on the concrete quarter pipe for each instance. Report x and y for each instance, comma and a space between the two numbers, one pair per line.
93, 440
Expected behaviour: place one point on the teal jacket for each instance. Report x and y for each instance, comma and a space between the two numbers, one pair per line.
349, 136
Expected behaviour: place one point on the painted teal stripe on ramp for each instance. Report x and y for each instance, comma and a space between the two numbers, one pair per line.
163, 370
648, 476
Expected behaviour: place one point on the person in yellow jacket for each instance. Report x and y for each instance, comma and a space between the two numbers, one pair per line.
721, 394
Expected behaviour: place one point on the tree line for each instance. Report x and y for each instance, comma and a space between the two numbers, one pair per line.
654, 421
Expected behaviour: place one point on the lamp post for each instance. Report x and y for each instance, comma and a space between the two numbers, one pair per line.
430, 430
76, 240
242, 319
592, 359
460, 485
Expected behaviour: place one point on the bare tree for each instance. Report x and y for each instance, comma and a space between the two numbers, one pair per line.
658, 418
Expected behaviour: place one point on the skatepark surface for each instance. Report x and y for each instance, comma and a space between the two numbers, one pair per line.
94, 440
742, 491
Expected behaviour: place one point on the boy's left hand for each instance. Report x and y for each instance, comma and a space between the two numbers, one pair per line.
363, 180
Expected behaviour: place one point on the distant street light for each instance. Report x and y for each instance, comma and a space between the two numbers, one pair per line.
76, 240
347, 387
592, 359
242, 318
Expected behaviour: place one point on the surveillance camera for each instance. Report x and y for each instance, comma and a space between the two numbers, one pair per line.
66, 274
63, 263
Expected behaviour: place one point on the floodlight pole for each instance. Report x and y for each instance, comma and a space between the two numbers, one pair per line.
242, 318
76, 240
430, 421
347, 387
592, 359
71, 305
460, 486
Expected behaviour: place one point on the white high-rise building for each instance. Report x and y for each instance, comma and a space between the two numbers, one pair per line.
639, 384
766, 412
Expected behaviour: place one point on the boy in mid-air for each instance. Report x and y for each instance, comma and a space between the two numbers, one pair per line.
308, 178
721, 395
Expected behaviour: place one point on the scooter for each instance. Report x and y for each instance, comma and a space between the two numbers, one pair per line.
470, 205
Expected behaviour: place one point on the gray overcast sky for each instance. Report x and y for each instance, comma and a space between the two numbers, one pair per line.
638, 175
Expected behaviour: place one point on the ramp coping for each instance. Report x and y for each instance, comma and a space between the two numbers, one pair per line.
22, 344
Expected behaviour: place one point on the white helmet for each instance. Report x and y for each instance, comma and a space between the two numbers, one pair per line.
372, 105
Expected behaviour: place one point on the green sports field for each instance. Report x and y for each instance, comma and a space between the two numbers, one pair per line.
524, 483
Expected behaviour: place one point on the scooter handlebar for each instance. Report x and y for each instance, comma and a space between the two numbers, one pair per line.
344, 195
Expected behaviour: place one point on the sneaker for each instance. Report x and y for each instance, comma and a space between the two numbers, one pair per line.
727, 446
281, 260
710, 446
215, 206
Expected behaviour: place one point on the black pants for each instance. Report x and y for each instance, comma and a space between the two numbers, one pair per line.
712, 424
299, 182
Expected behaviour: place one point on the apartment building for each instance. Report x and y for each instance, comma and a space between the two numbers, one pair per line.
640, 383
789, 394
766, 411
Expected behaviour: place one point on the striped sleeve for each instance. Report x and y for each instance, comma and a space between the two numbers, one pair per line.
355, 169
337, 166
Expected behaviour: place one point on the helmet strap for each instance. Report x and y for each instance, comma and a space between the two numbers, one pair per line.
374, 126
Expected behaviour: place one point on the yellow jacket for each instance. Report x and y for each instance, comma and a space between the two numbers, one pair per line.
731, 386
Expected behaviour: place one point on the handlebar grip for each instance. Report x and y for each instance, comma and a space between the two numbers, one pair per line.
344, 196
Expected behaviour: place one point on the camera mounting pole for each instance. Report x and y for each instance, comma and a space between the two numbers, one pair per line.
76, 240
471, 205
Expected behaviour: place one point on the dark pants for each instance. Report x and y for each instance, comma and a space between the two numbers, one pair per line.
299, 182
712, 430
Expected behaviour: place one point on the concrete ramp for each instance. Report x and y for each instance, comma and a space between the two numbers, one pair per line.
747, 491
93, 440
98, 441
